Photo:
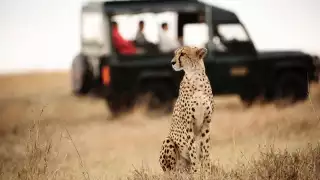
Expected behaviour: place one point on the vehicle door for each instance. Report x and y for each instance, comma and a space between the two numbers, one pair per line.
231, 66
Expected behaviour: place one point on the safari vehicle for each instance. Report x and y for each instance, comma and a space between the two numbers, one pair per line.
233, 64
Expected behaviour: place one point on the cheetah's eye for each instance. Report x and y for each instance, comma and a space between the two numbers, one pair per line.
182, 54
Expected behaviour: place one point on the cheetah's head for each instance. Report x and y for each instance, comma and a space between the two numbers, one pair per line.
188, 58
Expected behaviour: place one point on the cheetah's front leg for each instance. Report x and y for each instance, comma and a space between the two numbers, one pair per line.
205, 147
199, 153
168, 155
194, 151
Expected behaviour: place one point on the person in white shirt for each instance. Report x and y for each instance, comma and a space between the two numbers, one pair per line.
166, 42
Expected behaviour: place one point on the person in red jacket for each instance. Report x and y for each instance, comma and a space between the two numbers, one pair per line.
123, 46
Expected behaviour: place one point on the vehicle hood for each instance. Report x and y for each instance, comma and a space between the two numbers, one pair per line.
281, 54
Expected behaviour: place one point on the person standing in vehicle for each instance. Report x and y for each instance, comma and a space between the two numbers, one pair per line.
166, 42
122, 46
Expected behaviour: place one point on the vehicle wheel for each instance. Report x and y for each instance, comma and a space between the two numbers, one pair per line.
291, 87
118, 105
162, 96
247, 100
81, 75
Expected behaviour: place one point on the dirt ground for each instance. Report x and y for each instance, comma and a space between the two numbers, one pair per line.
110, 149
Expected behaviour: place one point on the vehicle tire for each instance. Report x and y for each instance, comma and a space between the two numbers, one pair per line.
118, 105
291, 87
162, 95
247, 100
156, 94
81, 75
252, 93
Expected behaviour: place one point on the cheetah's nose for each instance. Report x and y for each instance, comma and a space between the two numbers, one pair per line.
173, 62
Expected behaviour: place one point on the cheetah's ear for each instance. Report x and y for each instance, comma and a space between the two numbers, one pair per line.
176, 51
201, 52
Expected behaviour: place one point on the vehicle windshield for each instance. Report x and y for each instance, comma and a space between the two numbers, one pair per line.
226, 35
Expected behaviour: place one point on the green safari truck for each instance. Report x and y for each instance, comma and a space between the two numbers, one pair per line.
233, 64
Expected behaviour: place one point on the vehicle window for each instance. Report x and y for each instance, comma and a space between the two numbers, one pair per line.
92, 27
129, 24
93, 32
231, 39
146, 33
232, 32
227, 38
195, 34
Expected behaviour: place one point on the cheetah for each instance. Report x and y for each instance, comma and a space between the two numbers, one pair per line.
187, 145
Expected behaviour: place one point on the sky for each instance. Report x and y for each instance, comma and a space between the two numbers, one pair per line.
40, 35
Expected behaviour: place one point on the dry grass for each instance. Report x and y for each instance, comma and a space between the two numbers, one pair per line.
48, 134
272, 164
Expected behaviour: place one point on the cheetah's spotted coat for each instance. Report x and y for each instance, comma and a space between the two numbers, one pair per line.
187, 145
